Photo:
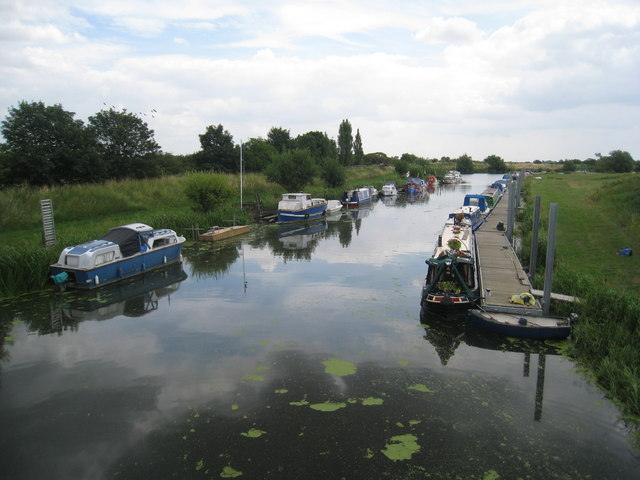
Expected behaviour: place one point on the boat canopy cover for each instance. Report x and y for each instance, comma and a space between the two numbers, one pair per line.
126, 238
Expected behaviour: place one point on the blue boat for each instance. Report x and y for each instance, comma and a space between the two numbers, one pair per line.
356, 197
295, 207
124, 252
520, 325
478, 201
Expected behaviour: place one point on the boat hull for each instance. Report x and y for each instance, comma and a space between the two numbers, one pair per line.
105, 274
302, 214
520, 326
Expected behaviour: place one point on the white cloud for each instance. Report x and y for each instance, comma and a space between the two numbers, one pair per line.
449, 31
427, 80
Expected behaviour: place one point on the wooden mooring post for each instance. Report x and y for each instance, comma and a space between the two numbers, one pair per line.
48, 225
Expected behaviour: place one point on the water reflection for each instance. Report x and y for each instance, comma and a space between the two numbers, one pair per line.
129, 299
446, 334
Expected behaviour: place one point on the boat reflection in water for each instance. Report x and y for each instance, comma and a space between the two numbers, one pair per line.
132, 298
301, 236
446, 334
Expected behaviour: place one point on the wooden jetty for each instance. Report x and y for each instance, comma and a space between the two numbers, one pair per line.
220, 233
501, 274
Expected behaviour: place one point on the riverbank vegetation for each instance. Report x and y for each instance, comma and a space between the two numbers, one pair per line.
597, 215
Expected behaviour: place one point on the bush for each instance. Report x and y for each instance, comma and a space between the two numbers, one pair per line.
206, 191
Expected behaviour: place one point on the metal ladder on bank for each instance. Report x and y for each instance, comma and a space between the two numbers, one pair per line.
48, 226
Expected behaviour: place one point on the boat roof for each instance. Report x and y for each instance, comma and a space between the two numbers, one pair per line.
136, 227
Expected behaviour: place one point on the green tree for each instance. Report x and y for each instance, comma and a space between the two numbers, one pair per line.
569, 166
332, 173
464, 164
280, 139
345, 143
617, 161
358, 152
218, 151
125, 144
495, 164
45, 145
257, 154
292, 170
318, 143
402, 167
206, 190
377, 158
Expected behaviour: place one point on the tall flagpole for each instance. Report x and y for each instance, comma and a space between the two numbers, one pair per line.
241, 173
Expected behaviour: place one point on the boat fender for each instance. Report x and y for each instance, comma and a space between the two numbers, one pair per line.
522, 321
164, 259
306, 216
60, 278
500, 227
96, 280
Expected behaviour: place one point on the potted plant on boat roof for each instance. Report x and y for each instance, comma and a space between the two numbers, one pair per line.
454, 244
448, 286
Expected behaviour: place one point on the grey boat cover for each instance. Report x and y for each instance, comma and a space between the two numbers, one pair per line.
126, 238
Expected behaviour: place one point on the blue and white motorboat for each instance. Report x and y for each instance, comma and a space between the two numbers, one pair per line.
356, 197
295, 207
480, 201
121, 253
472, 213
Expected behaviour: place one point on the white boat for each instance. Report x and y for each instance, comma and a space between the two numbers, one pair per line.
452, 176
121, 253
334, 207
373, 191
300, 206
389, 189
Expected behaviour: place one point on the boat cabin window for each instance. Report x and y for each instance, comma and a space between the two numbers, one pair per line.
104, 258
160, 242
72, 260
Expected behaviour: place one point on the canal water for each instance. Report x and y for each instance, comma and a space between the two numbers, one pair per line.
294, 353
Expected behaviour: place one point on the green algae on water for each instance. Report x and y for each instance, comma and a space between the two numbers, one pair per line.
372, 401
301, 403
253, 433
328, 406
401, 447
421, 388
255, 378
281, 390
229, 472
335, 366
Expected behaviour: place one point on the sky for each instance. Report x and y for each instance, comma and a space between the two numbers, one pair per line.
523, 79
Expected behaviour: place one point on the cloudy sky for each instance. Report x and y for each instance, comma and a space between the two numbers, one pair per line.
523, 79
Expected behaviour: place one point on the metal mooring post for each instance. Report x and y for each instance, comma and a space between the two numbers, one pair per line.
511, 209
48, 226
551, 249
534, 238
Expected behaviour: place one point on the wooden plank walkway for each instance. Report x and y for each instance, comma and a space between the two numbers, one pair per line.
501, 274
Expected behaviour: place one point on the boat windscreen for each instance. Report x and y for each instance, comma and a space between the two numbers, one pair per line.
127, 240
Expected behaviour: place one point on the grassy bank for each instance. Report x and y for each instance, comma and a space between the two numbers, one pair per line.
597, 215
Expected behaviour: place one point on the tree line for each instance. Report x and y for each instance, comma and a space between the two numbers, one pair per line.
45, 145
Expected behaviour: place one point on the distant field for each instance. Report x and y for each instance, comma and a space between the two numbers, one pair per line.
597, 215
